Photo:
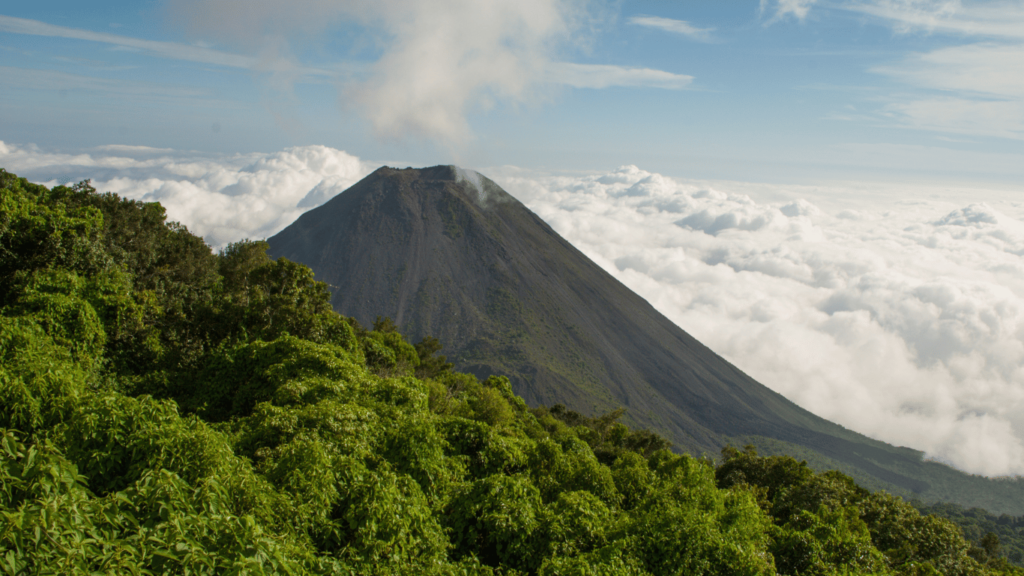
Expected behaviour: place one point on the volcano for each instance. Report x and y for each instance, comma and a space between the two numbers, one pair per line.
447, 253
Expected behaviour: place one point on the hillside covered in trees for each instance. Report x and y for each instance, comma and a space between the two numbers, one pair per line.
165, 409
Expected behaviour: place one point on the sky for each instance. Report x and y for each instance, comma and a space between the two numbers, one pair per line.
829, 194
789, 91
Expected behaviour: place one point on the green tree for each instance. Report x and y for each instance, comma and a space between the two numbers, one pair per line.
431, 363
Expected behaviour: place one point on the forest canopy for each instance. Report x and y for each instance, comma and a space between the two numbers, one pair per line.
168, 409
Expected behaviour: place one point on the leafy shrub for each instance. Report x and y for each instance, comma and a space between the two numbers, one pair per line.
161, 524
688, 526
576, 523
831, 541
495, 519
53, 299
633, 479
36, 376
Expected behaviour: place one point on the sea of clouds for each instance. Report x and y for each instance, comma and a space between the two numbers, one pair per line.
885, 309
904, 321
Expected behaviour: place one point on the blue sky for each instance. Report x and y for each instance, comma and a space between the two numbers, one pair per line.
798, 91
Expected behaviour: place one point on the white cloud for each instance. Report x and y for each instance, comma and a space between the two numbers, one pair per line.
783, 8
605, 76
675, 26
1003, 119
883, 308
989, 69
445, 59
439, 61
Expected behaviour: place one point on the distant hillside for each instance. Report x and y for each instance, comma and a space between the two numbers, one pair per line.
450, 254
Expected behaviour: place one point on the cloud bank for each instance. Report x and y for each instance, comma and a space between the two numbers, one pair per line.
903, 320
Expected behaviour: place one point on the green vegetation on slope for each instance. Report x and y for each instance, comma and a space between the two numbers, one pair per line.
167, 410
994, 537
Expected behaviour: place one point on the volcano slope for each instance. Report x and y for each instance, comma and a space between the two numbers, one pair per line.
448, 253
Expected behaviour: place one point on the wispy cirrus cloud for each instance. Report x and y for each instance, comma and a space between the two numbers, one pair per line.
1000, 119
996, 19
50, 80
605, 76
974, 88
674, 26
989, 69
170, 50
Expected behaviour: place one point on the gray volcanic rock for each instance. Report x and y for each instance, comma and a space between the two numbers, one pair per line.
448, 253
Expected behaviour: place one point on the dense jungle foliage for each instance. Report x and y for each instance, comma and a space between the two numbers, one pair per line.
165, 409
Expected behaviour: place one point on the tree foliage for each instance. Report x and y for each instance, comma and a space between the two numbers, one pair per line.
165, 409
